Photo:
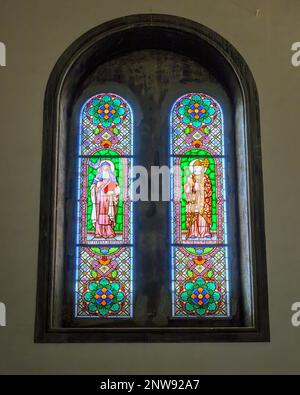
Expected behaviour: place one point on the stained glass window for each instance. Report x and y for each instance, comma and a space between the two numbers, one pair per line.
200, 283
104, 231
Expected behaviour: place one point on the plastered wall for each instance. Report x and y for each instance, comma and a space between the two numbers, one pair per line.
35, 33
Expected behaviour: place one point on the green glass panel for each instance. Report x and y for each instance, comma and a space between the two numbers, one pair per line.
118, 163
211, 172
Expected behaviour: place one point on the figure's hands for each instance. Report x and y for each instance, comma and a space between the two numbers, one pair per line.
102, 184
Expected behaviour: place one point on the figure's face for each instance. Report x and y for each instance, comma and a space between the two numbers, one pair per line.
106, 168
197, 170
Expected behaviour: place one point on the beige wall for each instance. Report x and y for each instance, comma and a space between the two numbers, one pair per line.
36, 32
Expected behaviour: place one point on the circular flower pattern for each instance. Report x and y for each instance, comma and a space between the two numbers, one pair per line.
104, 297
200, 296
106, 111
196, 110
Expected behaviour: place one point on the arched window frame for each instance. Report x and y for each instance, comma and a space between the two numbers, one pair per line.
52, 319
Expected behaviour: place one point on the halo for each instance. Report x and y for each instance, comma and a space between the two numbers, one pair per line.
112, 166
191, 165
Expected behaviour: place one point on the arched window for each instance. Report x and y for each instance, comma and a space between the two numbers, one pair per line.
104, 247
199, 222
151, 90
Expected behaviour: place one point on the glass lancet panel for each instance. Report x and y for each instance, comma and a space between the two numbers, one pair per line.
104, 217
200, 284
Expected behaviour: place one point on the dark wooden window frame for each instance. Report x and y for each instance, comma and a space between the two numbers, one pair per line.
109, 40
